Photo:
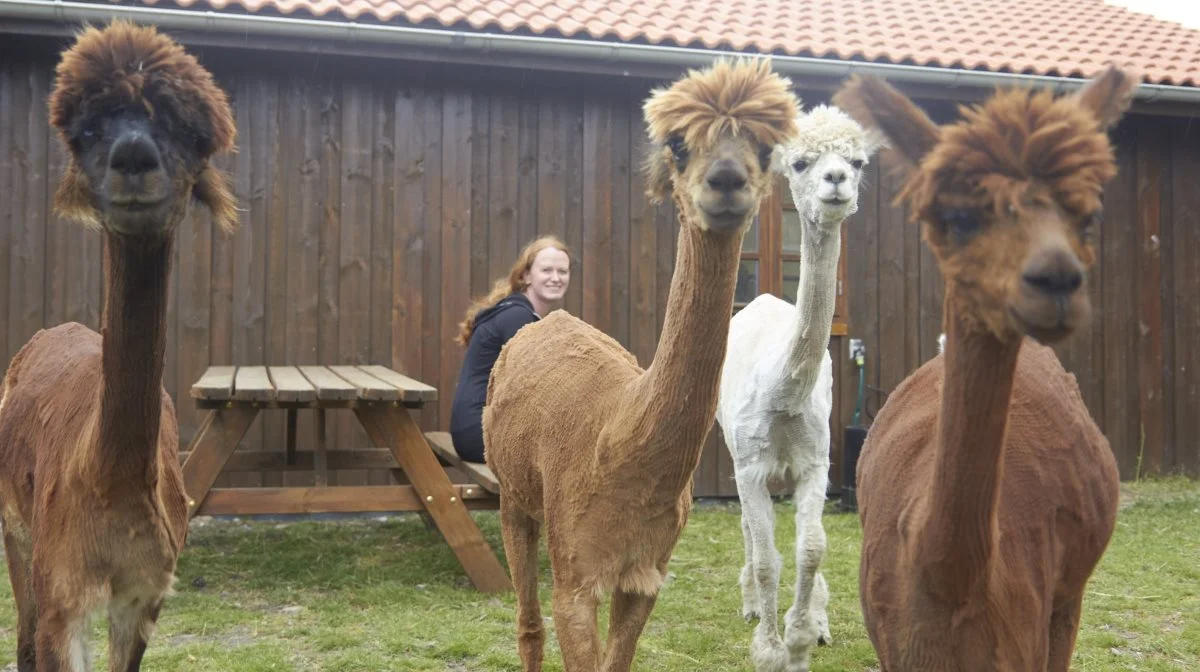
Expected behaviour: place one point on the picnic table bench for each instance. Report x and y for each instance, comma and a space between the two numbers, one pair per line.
381, 399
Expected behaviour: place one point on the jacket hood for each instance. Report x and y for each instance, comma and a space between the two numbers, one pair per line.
519, 300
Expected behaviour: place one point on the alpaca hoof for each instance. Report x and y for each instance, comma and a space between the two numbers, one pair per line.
749, 614
768, 654
823, 641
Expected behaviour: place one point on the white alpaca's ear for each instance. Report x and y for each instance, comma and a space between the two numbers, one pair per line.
873, 141
941, 344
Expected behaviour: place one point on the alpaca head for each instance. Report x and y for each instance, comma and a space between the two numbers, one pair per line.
140, 118
824, 163
711, 136
1007, 196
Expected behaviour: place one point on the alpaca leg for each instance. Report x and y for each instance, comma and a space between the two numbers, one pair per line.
807, 622
627, 618
766, 649
575, 625
62, 644
1064, 626
18, 554
520, 547
129, 626
751, 602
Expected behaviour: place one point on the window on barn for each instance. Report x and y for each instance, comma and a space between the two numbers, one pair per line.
771, 257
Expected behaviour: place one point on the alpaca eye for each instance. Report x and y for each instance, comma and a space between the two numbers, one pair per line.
857, 164
764, 158
678, 150
960, 222
800, 166
1093, 220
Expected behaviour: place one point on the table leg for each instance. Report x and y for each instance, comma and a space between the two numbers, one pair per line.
208, 452
394, 428
320, 456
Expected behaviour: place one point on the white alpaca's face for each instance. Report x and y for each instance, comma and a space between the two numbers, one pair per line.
824, 164
825, 185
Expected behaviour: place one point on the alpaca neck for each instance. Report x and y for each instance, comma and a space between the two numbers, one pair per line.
677, 397
815, 298
134, 344
957, 537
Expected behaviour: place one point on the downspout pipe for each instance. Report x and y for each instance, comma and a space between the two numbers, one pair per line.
65, 11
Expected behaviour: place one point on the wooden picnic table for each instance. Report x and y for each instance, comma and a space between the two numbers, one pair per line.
381, 399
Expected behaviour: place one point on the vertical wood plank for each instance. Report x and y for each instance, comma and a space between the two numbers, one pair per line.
383, 189
573, 185
552, 158
432, 325
643, 318
892, 323
622, 197
330, 253
596, 279
60, 272
869, 275
457, 147
27, 254
504, 237
529, 121
1150, 177
478, 185
301, 127
354, 292
281, 151
409, 242
8, 205
1185, 208
1121, 391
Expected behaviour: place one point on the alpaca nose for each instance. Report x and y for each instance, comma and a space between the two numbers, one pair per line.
726, 176
835, 176
133, 153
1056, 273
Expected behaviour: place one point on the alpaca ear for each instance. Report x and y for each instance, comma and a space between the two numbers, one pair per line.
657, 170
879, 107
873, 141
71, 197
212, 189
1108, 95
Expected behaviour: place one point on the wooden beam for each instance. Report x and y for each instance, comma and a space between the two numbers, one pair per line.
410, 390
395, 429
304, 460
218, 437
341, 499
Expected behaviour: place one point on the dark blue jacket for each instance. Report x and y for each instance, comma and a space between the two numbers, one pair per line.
494, 326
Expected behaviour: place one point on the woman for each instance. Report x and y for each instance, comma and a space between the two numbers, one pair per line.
535, 286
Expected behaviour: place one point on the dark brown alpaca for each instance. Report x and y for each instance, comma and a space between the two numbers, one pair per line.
987, 494
93, 503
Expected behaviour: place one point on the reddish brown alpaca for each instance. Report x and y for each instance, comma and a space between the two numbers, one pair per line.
93, 503
583, 440
987, 494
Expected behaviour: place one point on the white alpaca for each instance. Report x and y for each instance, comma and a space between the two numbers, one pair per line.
777, 391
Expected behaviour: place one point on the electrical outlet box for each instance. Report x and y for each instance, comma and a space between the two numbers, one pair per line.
857, 348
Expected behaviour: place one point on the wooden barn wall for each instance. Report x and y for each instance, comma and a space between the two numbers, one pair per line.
375, 206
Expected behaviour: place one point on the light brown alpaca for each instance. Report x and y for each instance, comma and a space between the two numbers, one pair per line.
584, 441
987, 494
93, 503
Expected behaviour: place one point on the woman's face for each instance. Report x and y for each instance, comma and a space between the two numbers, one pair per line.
549, 275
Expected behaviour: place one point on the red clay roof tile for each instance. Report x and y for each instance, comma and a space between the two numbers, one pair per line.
1046, 37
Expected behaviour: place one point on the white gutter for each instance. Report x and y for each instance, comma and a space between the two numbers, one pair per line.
551, 47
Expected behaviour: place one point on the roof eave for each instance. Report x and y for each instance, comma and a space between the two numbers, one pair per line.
553, 47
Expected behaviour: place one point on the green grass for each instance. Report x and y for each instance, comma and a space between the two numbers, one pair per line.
369, 595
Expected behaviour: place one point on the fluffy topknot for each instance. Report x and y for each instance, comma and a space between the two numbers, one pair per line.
1014, 140
126, 64
731, 96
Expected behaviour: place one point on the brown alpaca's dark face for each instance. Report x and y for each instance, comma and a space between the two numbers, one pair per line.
1020, 272
138, 172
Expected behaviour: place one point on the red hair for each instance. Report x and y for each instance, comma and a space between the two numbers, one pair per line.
510, 285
